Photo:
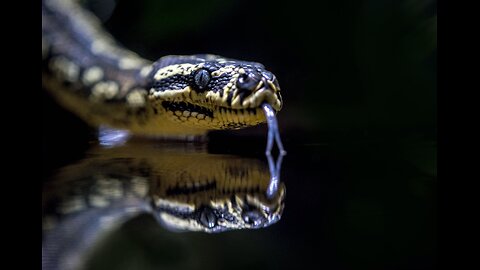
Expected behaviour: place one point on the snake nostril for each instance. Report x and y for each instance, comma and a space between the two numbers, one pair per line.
248, 81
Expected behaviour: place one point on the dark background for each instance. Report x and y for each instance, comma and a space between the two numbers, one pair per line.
358, 80
347, 69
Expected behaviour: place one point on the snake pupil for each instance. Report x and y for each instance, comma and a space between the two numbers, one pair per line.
202, 78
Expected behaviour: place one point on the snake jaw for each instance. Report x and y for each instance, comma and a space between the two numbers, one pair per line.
212, 117
230, 109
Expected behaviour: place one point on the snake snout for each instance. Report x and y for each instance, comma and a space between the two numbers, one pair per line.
248, 83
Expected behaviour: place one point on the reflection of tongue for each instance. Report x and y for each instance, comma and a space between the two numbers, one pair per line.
272, 129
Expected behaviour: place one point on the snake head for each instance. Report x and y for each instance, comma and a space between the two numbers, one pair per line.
213, 92
223, 213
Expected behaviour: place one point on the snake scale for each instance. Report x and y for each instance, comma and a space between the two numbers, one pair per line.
89, 73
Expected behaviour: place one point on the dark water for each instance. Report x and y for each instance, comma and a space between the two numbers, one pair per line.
347, 205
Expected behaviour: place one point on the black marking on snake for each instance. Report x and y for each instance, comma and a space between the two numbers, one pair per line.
217, 84
229, 98
212, 66
174, 82
233, 201
184, 106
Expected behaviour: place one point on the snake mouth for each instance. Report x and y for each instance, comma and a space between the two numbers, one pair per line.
215, 117
212, 207
265, 92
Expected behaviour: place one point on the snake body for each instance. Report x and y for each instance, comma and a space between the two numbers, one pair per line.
105, 84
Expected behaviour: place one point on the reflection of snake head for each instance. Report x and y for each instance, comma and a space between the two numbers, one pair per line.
185, 188
213, 92
229, 195
237, 211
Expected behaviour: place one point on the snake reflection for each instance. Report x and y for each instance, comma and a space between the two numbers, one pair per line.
182, 186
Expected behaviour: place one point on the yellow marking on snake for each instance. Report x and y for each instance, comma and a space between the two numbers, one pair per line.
136, 98
104, 90
140, 186
75, 203
224, 70
97, 200
145, 71
65, 68
181, 69
130, 63
92, 75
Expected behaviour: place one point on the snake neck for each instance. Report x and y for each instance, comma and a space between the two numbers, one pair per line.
78, 51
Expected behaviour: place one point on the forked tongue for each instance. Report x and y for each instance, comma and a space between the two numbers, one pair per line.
273, 132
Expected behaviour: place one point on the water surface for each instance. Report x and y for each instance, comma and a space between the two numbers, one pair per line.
355, 205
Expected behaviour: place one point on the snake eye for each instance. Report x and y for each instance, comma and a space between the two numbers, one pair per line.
202, 78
